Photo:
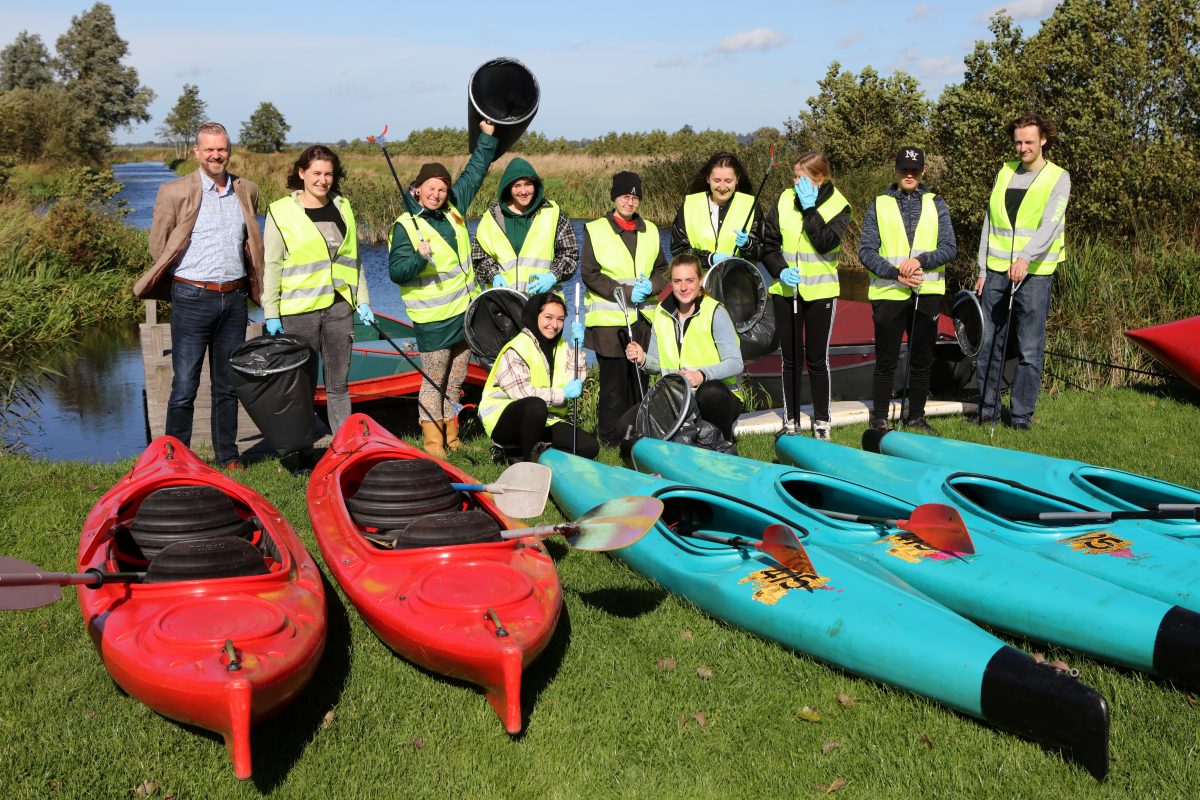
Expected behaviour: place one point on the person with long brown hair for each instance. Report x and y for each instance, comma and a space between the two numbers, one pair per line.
718, 218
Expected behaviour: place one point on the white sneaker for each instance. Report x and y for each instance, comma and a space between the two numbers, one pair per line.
821, 429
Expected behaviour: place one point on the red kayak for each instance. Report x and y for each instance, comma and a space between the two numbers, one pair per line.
228, 624
1174, 344
425, 567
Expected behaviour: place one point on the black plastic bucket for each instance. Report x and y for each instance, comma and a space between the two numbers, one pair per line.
506, 92
275, 377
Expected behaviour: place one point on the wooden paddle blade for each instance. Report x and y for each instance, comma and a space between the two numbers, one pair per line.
521, 490
939, 525
782, 544
616, 523
18, 595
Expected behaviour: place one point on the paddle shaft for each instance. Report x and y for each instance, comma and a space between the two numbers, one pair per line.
541, 531
1166, 511
904, 399
732, 541
92, 578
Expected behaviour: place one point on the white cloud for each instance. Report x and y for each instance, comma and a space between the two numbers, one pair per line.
757, 39
1022, 9
929, 66
850, 39
674, 62
920, 12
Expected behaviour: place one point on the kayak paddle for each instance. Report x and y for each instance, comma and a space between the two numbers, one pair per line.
611, 525
520, 491
1161, 511
24, 585
936, 524
778, 541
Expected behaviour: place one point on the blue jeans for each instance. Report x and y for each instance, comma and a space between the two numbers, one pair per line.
1030, 305
203, 320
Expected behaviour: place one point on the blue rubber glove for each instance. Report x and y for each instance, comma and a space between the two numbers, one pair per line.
641, 289
577, 330
573, 389
274, 327
365, 313
499, 281
740, 238
717, 258
542, 282
806, 192
790, 277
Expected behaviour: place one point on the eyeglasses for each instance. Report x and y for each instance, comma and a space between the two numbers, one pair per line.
629, 198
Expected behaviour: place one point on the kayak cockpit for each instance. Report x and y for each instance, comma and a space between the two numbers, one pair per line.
1128, 491
1009, 501
821, 493
710, 523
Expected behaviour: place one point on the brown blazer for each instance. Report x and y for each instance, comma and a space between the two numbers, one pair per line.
175, 211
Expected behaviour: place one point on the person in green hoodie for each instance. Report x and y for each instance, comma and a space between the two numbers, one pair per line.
429, 253
523, 240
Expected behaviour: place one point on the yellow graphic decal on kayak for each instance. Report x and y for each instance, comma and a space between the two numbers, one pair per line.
772, 584
907, 547
1099, 542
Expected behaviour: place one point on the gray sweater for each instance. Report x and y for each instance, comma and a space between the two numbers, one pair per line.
724, 336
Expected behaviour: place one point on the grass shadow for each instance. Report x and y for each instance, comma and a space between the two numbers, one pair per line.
625, 603
544, 669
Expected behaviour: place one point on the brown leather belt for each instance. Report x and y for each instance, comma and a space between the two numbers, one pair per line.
212, 286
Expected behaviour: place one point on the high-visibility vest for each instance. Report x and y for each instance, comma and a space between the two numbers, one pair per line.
624, 267
442, 289
1003, 241
895, 248
537, 251
309, 278
818, 271
697, 220
495, 399
699, 347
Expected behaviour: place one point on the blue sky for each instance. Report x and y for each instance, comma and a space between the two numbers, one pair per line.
344, 70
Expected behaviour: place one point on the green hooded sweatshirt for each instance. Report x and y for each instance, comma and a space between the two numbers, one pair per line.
516, 226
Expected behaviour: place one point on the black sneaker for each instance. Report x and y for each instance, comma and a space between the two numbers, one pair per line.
879, 424
1020, 425
920, 425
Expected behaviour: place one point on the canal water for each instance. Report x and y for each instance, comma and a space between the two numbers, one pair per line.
92, 406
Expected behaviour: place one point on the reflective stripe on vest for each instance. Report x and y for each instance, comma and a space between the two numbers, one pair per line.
697, 221
495, 399
442, 289
537, 251
1004, 242
618, 263
818, 271
894, 246
699, 348
308, 279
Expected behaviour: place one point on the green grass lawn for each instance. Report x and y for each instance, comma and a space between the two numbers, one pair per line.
638, 695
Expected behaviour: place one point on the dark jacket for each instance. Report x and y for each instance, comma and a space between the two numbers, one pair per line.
680, 243
910, 212
610, 341
825, 236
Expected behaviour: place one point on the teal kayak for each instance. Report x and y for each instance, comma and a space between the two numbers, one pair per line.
1000, 585
1169, 508
842, 612
1123, 552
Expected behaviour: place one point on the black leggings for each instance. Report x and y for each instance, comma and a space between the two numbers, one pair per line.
719, 405
816, 317
892, 319
522, 424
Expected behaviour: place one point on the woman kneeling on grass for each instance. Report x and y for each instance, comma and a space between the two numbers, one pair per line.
693, 335
525, 398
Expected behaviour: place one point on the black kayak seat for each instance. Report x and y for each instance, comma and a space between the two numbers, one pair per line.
196, 559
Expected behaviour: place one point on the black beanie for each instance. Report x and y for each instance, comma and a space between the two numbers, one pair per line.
433, 170
626, 183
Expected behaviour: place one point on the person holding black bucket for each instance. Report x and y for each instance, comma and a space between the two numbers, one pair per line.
313, 281
907, 240
523, 240
524, 403
718, 218
624, 270
430, 258
802, 241
692, 334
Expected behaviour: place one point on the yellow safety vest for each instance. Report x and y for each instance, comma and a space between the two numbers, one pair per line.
699, 348
537, 251
895, 248
1003, 241
818, 271
309, 279
442, 289
495, 399
625, 268
697, 220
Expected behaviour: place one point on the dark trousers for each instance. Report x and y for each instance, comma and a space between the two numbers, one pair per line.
815, 318
892, 319
622, 387
522, 424
719, 405
213, 322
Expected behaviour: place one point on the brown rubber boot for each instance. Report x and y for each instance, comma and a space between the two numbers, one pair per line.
452, 440
433, 438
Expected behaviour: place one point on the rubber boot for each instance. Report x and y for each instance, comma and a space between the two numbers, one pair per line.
433, 438
452, 440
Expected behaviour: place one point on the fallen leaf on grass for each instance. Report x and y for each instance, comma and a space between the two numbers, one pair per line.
845, 699
682, 720
685, 635
93, 487
809, 714
327, 720
1192, 700
147, 788
89, 714
833, 787
705, 673
925, 740
829, 747
418, 743
666, 664
701, 719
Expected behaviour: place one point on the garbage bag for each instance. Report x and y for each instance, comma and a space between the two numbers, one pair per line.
275, 378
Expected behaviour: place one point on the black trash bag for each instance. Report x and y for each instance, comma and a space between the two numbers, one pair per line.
506, 92
275, 378
492, 320
669, 412
742, 289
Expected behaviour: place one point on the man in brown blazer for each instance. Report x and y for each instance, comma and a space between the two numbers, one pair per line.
208, 258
